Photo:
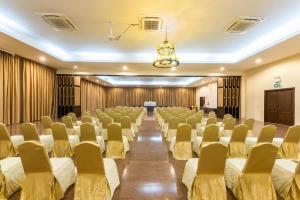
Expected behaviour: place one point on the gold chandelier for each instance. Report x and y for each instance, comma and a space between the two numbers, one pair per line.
166, 57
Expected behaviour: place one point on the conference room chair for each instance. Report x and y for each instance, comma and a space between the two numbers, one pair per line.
226, 116
212, 114
251, 178
266, 135
127, 129
44, 178
165, 123
89, 119
286, 177
226, 129
236, 143
63, 143
97, 176
289, 146
181, 144
192, 121
86, 113
172, 128
74, 118
116, 117
133, 119
7, 147
207, 122
250, 123
204, 176
117, 145
46, 124
210, 134
30, 133
71, 128
105, 122
88, 133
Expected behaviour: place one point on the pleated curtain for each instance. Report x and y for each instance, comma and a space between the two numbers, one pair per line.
93, 96
38, 91
10, 91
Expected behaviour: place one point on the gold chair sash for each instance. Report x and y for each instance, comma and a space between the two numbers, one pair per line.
125, 122
294, 192
29, 132
236, 145
106, 121
46, 122
266, 134
67, 120
250, 123
229, 123
209, 182
87, 132
211, 120
115, 145
86, 119
62, 147
255, 182
184, 133
39, 182
289, 147
7, 148
211, 133
192, 121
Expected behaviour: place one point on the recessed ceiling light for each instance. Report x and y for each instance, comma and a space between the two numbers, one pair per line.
75, 67
42, 58
173, 68
258, 60
222, 68
125, 67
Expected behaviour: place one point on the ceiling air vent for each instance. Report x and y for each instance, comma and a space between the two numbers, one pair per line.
59, 22
243, 25
151, 24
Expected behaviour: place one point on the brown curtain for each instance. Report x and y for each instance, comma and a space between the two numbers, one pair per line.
9, 88
38, 91
162, 96
93, 96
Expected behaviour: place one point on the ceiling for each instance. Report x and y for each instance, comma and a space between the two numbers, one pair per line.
196, 27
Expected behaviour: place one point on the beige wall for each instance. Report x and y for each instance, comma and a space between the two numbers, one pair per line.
262, 78
210, 92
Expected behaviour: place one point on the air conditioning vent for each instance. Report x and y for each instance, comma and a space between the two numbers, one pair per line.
59, 22
243, 25
151, 24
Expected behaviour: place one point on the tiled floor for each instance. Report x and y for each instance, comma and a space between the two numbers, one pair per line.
149, 172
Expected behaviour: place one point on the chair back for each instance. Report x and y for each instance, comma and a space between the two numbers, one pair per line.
250, 123
114, 132
211, 133
34, 157
125, 122
132, 118
211, 120
173, 123
239, 133
229, 123
59, 131
192, 121
29, 132
292, 135
106, 121
261, 159
4, 134
73, 116
212, 114
87, 132
67, 120
226, 116
46, 122
86, 113
86, 119
116, 117
212, 159
266, 134
184, 133
89, 159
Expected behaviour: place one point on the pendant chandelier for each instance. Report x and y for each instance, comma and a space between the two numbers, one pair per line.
166, 57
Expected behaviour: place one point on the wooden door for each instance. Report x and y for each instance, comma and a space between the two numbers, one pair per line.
280, 106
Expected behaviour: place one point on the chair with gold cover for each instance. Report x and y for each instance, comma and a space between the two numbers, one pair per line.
210, 134
89, 119
204, 177
116, 117
181, 144
286, 178
30, 133
228, 125
46, 123
192, 121
117, 145
7, 147
74, 118
88, 133
212, 114
289, 146
250, 123
133, 122
251, 178
97, 176
226, 116
208, 122
44, 178
127, 129
105, 122
266, 135
236, 143
172, 128
71, 128
63, 143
